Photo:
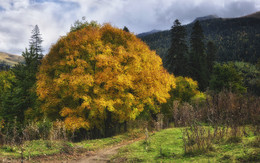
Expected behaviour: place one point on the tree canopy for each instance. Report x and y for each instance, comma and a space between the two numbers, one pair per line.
98, 71
198, 62
126, 29
7, 80
36, 42
225, 76
211, 55
177, 59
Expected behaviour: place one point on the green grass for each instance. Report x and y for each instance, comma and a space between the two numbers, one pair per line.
32, 148
163, 146
46, 147
167, 146
95, 144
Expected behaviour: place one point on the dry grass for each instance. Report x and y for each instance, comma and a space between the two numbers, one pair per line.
10, 59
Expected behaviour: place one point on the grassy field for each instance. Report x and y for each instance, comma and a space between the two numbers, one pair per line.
167, 146
38, 148
164, 146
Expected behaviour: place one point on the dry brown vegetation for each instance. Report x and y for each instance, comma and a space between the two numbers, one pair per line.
230, 116
10, 59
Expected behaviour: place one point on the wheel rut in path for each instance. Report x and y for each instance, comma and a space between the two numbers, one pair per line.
104, 155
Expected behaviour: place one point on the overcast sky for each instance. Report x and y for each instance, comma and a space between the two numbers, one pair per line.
54, 17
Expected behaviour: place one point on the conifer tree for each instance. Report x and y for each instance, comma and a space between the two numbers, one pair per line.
177, 56
198, 60
23, 96
35, 43
211, 55
126, 29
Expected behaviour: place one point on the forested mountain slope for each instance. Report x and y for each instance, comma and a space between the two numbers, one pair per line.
236, 38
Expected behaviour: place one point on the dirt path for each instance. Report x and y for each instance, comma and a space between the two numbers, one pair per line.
105, 154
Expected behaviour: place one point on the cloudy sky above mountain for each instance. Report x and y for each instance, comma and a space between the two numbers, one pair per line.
54, 17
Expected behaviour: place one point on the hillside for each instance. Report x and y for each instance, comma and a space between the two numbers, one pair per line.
254, 15
10, 59
206, 18
148, 33
236, 38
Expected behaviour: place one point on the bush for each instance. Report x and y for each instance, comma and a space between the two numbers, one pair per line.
31, 131
178, 108
231, 109
197, 140
58, 131
184, 114
45, 128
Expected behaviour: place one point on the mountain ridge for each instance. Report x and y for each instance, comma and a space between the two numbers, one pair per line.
208, 17
10, 59
237, 39
147, 33
253, 15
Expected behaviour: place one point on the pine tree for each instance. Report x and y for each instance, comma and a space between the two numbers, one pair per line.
126, 29
177, 56
211, 56
198, 60
35, 42
23, 96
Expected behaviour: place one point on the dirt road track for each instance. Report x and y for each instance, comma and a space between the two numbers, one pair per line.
104, 155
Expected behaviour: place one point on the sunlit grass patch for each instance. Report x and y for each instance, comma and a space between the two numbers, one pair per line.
167, 146
36, 148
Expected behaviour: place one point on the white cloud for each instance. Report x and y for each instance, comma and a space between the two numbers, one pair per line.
54, 17
18, 20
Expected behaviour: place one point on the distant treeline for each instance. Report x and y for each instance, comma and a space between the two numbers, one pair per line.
4, 66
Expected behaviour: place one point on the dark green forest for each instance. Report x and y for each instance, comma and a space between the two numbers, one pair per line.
4, 66
236, 39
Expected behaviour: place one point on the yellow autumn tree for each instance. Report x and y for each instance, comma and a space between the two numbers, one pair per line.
101, 69
186, 90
